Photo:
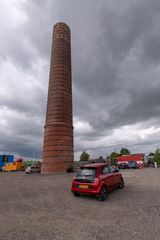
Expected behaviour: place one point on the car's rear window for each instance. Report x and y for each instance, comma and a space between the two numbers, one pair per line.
87, 172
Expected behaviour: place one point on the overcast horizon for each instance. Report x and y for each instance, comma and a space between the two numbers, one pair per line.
115, 74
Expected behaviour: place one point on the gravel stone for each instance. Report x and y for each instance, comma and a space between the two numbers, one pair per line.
42, 207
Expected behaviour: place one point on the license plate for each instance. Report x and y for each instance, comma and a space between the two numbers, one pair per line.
83, 186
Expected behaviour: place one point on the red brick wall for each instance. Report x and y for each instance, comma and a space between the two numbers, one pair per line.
58, 136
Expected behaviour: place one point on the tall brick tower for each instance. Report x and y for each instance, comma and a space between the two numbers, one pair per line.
58, 136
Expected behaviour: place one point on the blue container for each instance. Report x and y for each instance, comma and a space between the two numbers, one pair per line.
5, 159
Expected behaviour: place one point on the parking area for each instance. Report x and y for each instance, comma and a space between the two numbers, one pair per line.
42, 207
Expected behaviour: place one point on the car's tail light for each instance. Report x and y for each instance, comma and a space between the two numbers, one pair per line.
96, 180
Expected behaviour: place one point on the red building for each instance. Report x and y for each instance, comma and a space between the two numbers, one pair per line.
139, 158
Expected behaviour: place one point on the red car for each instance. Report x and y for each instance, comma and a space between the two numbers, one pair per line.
97, 179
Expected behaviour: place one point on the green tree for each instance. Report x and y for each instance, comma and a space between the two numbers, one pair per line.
124, 151
84, 156
113, 157
157, 156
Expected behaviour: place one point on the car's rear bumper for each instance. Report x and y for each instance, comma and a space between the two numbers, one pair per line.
92, 189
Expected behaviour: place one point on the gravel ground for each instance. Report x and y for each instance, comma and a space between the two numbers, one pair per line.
42, 207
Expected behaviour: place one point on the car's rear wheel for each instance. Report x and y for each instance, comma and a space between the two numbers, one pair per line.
103, 194
76, 194
121, 185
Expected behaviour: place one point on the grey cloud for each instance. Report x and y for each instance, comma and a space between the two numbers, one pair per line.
115, 62
151, 53
22, 135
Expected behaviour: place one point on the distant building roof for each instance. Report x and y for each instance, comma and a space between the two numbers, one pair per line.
136, 157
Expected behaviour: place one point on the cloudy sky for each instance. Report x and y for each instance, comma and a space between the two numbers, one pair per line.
116, 73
